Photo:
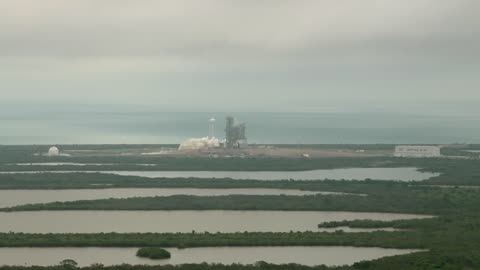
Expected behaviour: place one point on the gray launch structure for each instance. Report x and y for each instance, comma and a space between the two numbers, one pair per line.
235, 134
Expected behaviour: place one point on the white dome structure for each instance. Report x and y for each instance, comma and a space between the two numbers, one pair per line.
53, 151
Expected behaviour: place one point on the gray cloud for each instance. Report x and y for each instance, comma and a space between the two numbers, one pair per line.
146, 28
384, 49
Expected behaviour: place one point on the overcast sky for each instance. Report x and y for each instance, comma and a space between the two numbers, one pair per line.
275, 55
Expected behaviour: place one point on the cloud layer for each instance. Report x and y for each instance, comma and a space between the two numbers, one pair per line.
172, 50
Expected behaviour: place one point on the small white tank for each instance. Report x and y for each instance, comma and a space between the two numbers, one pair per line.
53, 151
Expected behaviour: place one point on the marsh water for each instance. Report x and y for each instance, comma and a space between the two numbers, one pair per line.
398, 174
9, 198
226, 255
178, 221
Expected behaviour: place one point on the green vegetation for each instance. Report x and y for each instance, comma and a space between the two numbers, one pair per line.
402, 239
101, 181
453, 171
451, 240
69, 263
154, 253
382, 197
368, 224
130, 163
419, 261
9, 155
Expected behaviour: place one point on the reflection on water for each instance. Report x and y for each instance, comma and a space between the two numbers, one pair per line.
399, 174
10, 198
178, 221
226, 255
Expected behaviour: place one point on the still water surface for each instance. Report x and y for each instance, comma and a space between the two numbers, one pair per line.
75, 164
226, 255
399, 174
178, 221
10, 198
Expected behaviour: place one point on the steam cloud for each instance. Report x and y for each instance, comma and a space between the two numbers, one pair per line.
199, 143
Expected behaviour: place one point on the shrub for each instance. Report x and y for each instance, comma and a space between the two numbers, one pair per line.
154, 253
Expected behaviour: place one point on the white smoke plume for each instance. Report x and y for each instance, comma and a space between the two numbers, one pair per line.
199, 143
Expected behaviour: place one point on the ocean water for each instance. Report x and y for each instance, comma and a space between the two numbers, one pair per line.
93, 126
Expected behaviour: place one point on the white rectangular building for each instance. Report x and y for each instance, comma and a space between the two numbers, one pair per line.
419, 151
